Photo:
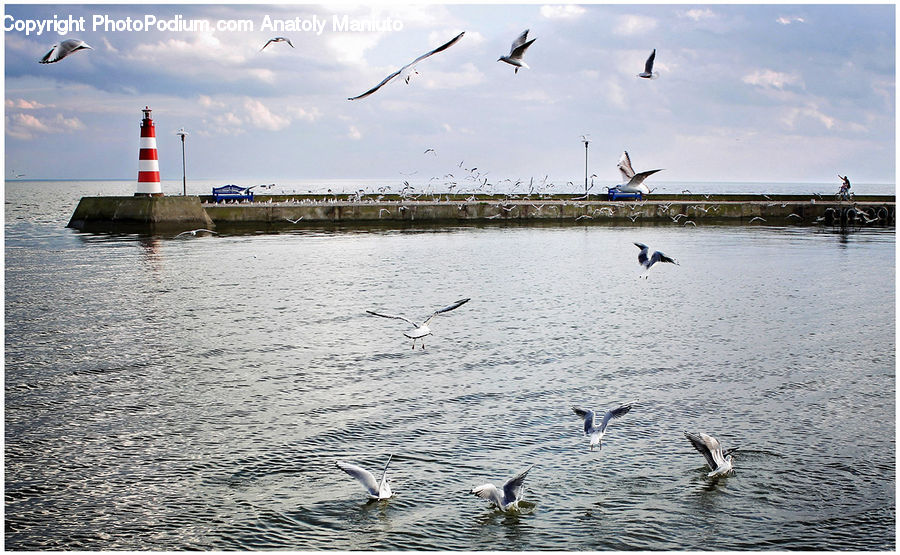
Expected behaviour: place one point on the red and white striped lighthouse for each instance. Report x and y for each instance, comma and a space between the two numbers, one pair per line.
148, 163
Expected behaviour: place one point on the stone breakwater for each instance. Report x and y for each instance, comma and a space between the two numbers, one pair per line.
275, 212
299, 211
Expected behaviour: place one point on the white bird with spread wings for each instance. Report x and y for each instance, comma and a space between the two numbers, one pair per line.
407, 70
374, 489
517, 52
634, 181
420, 330
719, 461
509, 496
596, 431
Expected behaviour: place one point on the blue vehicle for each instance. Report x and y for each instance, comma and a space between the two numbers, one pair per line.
231, 192
616, 194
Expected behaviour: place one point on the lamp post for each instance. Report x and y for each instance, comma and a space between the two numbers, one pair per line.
586, 141
182, 133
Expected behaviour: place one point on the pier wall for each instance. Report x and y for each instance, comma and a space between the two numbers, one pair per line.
298, 212
140, 214
179, 213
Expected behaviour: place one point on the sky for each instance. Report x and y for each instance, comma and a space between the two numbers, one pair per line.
776, 92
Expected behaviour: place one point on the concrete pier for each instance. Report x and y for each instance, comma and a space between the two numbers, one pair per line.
278, 212
140, 214
299, 211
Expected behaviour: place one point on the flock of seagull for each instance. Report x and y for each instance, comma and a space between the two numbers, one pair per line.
508, 496
633, 182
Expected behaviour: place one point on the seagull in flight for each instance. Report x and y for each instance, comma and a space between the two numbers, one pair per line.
517, 51
407, 70
719, 461
646, 259
421, 330
374, 489
592, 429
635, 181
63, 49
648, 67
509, 496
194, 232
277, 39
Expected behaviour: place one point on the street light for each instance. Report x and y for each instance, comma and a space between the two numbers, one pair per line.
586, 141
182, 133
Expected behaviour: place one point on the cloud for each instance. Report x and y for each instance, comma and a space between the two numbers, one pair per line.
26, 126
354, 133
222, 125
467, 77
567, 11
698, 14
809, 111
787, 20
202, 46
310, 115
615, 94
109, 46
22, 104
260, 116
768, 78
208, 102
630, 25
350, 48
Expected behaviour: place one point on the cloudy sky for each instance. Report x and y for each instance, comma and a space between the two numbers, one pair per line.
745, 92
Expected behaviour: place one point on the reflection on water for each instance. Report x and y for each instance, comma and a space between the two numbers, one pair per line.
171, 395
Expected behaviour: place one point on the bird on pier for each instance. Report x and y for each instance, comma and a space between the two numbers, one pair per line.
720, 462
63, 49
406, 71
635, 181
596, 431
375, 490
509, 496
277, 39
647, 260
517, 51
421, 330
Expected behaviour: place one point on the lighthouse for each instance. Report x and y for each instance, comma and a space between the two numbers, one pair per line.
148, 183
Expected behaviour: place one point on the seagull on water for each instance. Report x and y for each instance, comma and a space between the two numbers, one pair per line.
592, 429
374, 489
517, 51
277, 39
63, 49
421, 330
646, 259
407, 70
719, 461
509, 496
648, 67
635, 181
194, 232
